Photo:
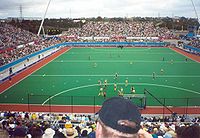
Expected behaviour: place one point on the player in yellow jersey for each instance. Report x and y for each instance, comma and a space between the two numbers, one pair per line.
161, 71
115, 87
126, 82
121, 92
100, 92
105, 83
132, 89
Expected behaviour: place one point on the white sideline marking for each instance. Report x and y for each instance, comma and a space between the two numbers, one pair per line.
118, 61
131, 75
120, 52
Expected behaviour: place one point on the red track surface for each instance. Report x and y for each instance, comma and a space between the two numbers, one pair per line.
192, 56
91, 109
20, 76
80, 109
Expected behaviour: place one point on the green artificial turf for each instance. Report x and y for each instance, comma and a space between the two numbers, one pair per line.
76, 73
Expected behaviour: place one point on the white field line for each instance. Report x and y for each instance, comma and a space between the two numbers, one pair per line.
107, 75
148, 84
119, 61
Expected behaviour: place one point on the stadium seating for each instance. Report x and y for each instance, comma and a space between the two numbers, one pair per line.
14, 123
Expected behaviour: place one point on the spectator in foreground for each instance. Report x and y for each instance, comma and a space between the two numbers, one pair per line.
189, 132
119, 118
36, 132
48, 133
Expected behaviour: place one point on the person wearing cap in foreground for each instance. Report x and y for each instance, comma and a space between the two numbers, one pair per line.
119, 118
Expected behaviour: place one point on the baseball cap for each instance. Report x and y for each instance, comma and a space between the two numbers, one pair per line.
120, 114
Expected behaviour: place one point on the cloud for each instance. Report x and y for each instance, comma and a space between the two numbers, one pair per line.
7, 5
94, 8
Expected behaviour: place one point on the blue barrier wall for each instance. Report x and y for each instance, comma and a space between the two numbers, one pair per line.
27, 57
192, 48
83, 44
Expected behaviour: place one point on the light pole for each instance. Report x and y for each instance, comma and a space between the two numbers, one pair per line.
196, 14
43, 18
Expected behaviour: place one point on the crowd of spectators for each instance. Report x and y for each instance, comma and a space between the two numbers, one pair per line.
195, 43
120, 28
46, 125
16, 43
176, 118
60, 125
190, 45
108, 39
13, 54
10, 36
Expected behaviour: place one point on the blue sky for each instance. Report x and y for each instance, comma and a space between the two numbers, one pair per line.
94, 8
